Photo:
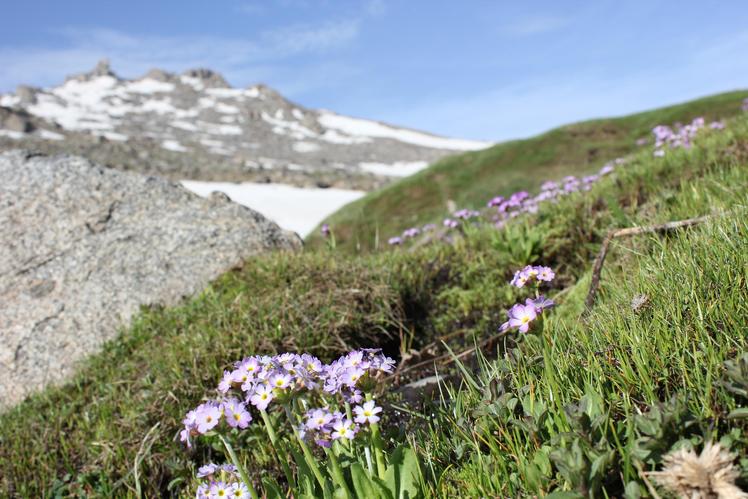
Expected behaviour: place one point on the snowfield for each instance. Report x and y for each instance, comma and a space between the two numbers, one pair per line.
293, 208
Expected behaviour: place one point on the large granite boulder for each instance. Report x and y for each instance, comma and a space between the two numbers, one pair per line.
82, 247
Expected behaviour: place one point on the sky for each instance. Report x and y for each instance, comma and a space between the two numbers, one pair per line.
488, 70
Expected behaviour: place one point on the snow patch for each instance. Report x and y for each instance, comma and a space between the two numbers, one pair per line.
225, 108
47, 135
397, 169
358, 128
12, 134
173, 145
293, 208
149, 86
305, 147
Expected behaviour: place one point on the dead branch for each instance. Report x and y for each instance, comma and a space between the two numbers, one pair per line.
630, 231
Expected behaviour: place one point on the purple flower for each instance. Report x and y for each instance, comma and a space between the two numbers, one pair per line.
226, 382
239, 491
325, 230
352, 375
237, 416
318, 419
394, 241
208, 416
545, 274
519, 280
450, 224
744, 107
428, 227
367, 413
716, 125
207, 470
219, 489
203, 491
412, 232
495, 201
343, 428
280, 381
262, 397
540, 303
520, 317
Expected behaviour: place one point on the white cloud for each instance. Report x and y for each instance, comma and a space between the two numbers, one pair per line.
132, 55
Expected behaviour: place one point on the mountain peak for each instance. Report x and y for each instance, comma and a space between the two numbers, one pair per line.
102, 68
209, 77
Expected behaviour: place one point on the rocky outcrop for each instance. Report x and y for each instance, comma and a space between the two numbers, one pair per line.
82, 247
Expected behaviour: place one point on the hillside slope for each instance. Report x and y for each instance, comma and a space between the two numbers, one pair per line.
469, 180
115, 427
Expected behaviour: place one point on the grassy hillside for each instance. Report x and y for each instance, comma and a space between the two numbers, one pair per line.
473, 178
580, 405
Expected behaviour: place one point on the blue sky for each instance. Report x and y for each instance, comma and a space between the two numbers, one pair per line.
476, 69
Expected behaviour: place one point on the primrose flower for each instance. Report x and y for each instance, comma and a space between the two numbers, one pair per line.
220, 489
207, 470
520, 317
262, 397
343, 428
318, 419
450, 224
238, 416
239, 491
394, 241
226, 382
280, 381
352, 375
412, 232
540, 303
208, 416
519, 279
203, 491
367, 413
545, 274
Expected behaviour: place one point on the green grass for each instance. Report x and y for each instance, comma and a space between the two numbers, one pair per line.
471, 179
122, 412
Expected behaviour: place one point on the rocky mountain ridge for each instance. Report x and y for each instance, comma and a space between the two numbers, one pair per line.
194, 125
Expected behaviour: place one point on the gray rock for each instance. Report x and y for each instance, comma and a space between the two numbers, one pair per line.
82, 247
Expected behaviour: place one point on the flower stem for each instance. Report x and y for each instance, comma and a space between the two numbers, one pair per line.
240, 468
376, 442
305, 450
337, 473
279, 451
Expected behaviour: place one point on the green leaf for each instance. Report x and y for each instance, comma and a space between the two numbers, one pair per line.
272, 490
362, 485
403, 474
739, 413
564, 494
632, 491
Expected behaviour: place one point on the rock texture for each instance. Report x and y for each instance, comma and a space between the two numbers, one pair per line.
195, 126
82, 247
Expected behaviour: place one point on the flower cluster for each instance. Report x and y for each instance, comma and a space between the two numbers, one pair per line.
521, 315
259, 381
522, 202
517, 204
324, 426
222, 481
679, 135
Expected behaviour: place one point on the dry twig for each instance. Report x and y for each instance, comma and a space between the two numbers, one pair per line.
630, 231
